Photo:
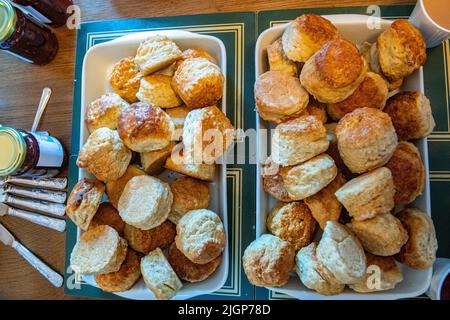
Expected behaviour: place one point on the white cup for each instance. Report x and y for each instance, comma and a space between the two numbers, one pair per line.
441, 269
433, 33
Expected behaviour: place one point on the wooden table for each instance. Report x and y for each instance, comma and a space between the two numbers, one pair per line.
20, 88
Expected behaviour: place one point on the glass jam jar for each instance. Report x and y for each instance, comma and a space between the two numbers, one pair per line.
25, 37
23, 151
52, 12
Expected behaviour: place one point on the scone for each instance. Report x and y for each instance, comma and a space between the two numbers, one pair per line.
390, 275
268, 261
408, 172
273, 182
366, 139
313, 274
420, 250
333, 151
278, 60
189, 271
108, 215
298, 140
382, 235
317, 109
411, 115
188, 194
341, 253
159, 276
178, 116
200, 236
144, 127
104, 112
194, 53
153, 161
156, 89
99, 250
125, 278
156, 53
180, 164
371, 93
198, 82
104, 155
83, 201
125, 79
115, 188
306, 35
368, 195
145, 202
334, 72
292, 222
279, 96
144, 241
308, 178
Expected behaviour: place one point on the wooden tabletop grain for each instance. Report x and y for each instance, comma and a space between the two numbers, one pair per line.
20, 88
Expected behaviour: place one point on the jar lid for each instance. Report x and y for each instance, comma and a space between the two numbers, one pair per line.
14, 150
8, 19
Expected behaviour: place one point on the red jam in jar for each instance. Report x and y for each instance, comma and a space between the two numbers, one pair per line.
52, 12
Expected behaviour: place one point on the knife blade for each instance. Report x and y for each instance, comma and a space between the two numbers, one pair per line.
5, 236
33, 205
38, 194
59, 184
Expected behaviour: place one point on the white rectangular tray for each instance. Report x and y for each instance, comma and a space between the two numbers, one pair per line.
353, 28
97, 64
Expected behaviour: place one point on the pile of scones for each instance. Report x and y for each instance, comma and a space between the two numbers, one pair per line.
342, 159
162, 99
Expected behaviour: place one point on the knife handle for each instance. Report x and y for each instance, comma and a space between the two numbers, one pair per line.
58, 209
48, 222
55, 278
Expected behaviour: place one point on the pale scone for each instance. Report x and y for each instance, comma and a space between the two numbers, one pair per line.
298, 140
115, 188
194, 53
145, 241
390, 275
188, 194
153, 161
292, 222
308, 178
268, 261
334, 72
83, 201
178, 116
198, 82
317, 109
341, 253
306, 35
200, 236
104, 111
278, 60
420, 250
382, 235
104, 155
156, 89
408, 172
368, 195
144, 127
145, 202
313, 274
366, 139
273, 182
156, 53
159, 276
108, 215
279, 96
411, 115
125, 79
99, 250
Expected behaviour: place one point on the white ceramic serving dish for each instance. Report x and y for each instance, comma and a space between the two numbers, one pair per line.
353, 28
97, 64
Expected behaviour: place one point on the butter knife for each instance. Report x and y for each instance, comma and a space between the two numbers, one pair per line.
47, 183
38, 194
57, 209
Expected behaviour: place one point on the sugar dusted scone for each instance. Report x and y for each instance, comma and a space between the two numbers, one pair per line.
125, 79
156, 89
145, 241
195, 53
115, 188
278, 60
153, 161
104, 111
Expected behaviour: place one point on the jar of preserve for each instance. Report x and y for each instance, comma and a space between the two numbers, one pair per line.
24, 151
52, 12
25, 37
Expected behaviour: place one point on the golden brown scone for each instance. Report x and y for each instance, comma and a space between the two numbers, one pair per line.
178, 116
279, 96
268, 261
195, 53
156, 89
411, 115
125, 278
156, 53
278, 60
333, 151
198, 82
189, 271
145, 241
390, 275
83, 201
408, 172
317, 109
188, 194
273, 182
144, 127
306, 35
420, 250
108, 215
115, 188
153, 161
104, 112
366, 139
292, 222
125, 79
371, 93
334, 72
368, 195
324, 205
382, 235
179, 163
401, 50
